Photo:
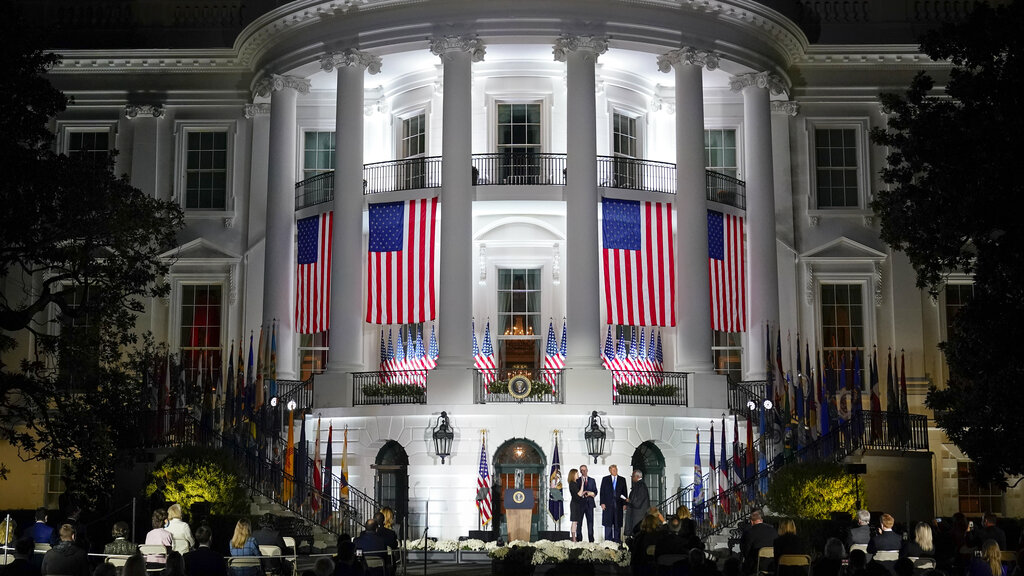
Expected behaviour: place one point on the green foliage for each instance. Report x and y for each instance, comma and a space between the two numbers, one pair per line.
661, 390
537, 388
393, 390
191, 475
952, 174
812, 490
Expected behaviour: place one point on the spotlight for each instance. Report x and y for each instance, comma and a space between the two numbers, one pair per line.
292, 404
751, 405
768, 404
273, 402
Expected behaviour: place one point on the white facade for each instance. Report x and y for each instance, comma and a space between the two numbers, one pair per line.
363, 69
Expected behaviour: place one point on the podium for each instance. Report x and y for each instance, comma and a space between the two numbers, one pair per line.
518, 513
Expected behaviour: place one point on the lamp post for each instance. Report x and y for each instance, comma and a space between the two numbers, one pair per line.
443, 436
595, 435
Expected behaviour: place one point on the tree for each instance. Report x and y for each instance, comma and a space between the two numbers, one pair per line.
78, 245
953, 178
812, 490
191, 475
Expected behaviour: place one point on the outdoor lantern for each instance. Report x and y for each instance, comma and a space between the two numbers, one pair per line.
594, 435
443, 436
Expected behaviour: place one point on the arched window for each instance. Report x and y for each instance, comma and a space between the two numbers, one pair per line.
648, 459
391, 482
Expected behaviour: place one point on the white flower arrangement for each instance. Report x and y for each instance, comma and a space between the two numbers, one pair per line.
548, 552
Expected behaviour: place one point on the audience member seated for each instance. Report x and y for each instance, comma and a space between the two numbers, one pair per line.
700, 566
65, 558
903, 567
987, 531
369, 543
74, 519
731, 566
324, 567
831, 562
203, 561
41, 531
134, 566
989, 563
390, 540
159, 536
183, 540
345, 560
920, 546
758, 535
647, 536
120, 545
175, 565
788, 542
861, 534
671, 540
104, 569
885, 540
22, 564
243, 544
944, 545
269, 535
858, 563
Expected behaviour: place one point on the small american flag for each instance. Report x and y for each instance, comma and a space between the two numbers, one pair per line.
726, 257
608, 354
487, 356
552, 362
639, 263
562, 348
483, 487
313, 274
400, 268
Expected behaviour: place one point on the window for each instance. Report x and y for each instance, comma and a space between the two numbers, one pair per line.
648, 459
89, 144
519, 142
624, 148
727, 354
957, 296
519, 325
842, 320
318, 153
55, 470
836, 168
976, 497
313, 350
206, 170
720, 151
200, 321
414, 147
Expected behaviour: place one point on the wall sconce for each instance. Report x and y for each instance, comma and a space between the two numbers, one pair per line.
595, 435
443, 436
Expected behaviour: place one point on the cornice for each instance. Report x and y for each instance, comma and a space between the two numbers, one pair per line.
133, 111
254, 110
788, 107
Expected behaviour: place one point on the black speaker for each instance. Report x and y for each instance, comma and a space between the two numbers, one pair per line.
485, 535
553, 535
856, 468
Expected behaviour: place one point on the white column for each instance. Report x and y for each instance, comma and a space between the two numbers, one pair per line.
455, 291
693, 301
583, 307
763, 286
279, 271
347, 256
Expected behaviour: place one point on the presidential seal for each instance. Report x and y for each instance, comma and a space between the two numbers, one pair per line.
520, 386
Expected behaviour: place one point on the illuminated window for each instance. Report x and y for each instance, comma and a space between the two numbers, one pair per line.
200, 332
519, 142
624, 148
313, 351
318, 153
518, 330
720, 151
976, 497
842, 319
727, 354
414, 145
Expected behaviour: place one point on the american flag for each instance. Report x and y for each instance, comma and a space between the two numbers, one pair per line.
727, 272
639, 263
313, 274
487, 355
713, 487
400, 268
608, 353
483, 487
562, 348
552, 363
432, 351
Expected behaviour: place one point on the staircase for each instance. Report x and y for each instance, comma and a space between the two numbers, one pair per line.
865, 430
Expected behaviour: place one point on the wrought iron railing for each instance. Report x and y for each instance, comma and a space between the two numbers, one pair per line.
741, 394
389, 387
405, 174
519, 166
654, 388
546, 386
314, 190
636, 174
725, 189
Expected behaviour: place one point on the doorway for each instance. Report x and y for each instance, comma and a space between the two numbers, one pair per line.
648, 459
525, 455
391, 482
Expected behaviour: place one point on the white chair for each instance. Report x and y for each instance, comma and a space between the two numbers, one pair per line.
886, 556
6, 558
923, 563
117, 561
289, 542
269, 550
245, 562
794, 561
862, 547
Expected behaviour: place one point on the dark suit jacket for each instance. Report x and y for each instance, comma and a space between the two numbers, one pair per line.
639, 504
610, 499
672, 543
887, 540
589, 486
754, 538
205, 562
20, 567
859, 535
978, 536
788, 544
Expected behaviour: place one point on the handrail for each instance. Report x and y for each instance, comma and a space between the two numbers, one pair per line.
725, 189
649, 387
404, 174
389, 387
492, 386
519, 166
636, 174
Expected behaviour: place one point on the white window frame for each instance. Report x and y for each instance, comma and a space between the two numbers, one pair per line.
738, 129
641, 128
300, 147
545, 101
66, 127
177, 281
182, 128
866, 281
860, 126
957, 279
398, 119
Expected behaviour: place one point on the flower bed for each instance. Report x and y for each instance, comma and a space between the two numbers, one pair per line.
526, 553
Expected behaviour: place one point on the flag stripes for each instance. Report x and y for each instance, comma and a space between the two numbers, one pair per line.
313, 274
726, 271
401, 260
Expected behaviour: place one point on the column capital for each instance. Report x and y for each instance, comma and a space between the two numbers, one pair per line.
253, 110
766, 80
443, 45
688, 56
275, 82
787, 107
350, 57
133, 111
592, 46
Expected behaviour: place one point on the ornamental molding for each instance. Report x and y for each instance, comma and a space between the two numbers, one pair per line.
590, 46
764, 80
254, 110
445, 45
133, 111
809, 285
787, 107
878, 284
668, 104
687, 56
351, 57
278, 82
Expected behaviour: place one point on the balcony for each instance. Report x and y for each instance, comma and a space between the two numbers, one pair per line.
521, 169
545, 386
386, 388
653, 388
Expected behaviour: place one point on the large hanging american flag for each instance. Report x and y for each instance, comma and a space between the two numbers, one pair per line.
400, 268
483, 487
727, 272
313, 274
639, 262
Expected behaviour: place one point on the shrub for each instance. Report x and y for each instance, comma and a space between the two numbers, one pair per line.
191, 475
812, 490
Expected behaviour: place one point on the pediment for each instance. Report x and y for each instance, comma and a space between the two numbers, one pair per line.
201, 250
843, 249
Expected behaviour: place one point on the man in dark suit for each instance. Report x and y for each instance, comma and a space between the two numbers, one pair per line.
671, 540
589, 487
613, 504
862, 533
369, 543
885, 540
988, 531
390, 539
203, 561
758, 535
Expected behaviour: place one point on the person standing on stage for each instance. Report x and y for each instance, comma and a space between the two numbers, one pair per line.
587, 491
613, 504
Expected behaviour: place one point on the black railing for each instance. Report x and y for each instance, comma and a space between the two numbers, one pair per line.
314, 190
725, 189
298, 390
519, 166
636, 174
654, 388
741, 394
389, 387
406, 174
546, 386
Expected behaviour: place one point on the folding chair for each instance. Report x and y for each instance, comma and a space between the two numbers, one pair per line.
862, 547
886, 556
766, 552
244, 562
793, 563
923, 563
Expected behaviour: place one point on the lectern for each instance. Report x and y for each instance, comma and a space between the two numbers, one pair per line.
518, 513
